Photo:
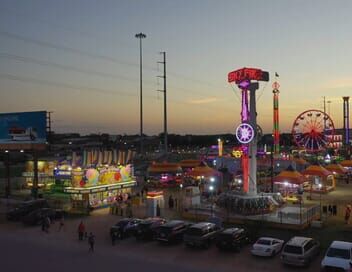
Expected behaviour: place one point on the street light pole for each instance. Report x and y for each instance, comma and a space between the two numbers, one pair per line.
8, 188
211, 188
141, 36
320, 186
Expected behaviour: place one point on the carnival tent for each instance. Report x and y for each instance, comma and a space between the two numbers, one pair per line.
164, 168
316, 170
291, 176
346, 163
336, 168
203, 171
190, 163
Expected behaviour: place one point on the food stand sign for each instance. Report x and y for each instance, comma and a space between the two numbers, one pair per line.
23, 130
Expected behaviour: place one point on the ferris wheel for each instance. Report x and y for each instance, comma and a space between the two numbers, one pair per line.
313, 130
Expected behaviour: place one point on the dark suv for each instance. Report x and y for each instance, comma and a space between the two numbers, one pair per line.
201, 234
25, 208
148, 228
172, 231
232, 239
125, 227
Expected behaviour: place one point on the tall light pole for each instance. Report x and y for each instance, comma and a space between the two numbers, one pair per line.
141, 36
320, 187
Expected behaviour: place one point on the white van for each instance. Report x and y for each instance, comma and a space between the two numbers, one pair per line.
338, 256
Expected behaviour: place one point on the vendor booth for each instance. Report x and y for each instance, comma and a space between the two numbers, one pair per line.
206, 176
164, 174
339, 172
290, 184
319, 179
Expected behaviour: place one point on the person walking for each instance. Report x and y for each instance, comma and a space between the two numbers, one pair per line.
91, 242
47, 224
61, 223
347, 214
81, 230
330, 209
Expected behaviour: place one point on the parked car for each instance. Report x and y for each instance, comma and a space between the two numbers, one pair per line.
172, 231
201, 234
300, 251
338, 257
125, 227
232, 239
267, 246
148, 228
25, 208
37, 216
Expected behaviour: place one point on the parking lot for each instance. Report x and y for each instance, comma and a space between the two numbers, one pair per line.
61, 251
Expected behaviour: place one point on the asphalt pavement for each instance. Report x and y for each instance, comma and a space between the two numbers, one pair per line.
30, 249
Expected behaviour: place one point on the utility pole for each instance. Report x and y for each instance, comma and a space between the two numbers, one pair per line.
324, 115
48, 128
141, 36
165, 101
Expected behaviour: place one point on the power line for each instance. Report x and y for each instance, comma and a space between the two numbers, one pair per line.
97, 90
62, 85
65, 67
67, 49
92, 55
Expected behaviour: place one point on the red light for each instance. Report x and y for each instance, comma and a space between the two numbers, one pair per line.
247, 74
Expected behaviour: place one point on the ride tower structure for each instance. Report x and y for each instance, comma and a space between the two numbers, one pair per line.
247, 79
276, 131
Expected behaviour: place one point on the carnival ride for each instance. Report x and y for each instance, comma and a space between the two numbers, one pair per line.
248, 202
312, 130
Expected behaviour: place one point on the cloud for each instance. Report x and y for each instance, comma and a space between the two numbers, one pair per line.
206, 100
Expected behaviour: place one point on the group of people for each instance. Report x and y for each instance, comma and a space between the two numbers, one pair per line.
82, 234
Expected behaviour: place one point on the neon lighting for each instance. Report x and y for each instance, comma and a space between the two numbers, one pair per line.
308, 130
244, 133
245, 111
248, 74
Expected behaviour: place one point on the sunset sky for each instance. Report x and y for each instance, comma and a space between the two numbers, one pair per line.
80, 59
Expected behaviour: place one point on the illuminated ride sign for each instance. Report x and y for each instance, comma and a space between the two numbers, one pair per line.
247, 74
237, 153
245, 133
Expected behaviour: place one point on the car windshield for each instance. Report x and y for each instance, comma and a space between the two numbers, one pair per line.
264, 242
194, 231
293, 249
338, 253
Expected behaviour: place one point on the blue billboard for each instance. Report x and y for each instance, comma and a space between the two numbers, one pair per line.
23, 128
